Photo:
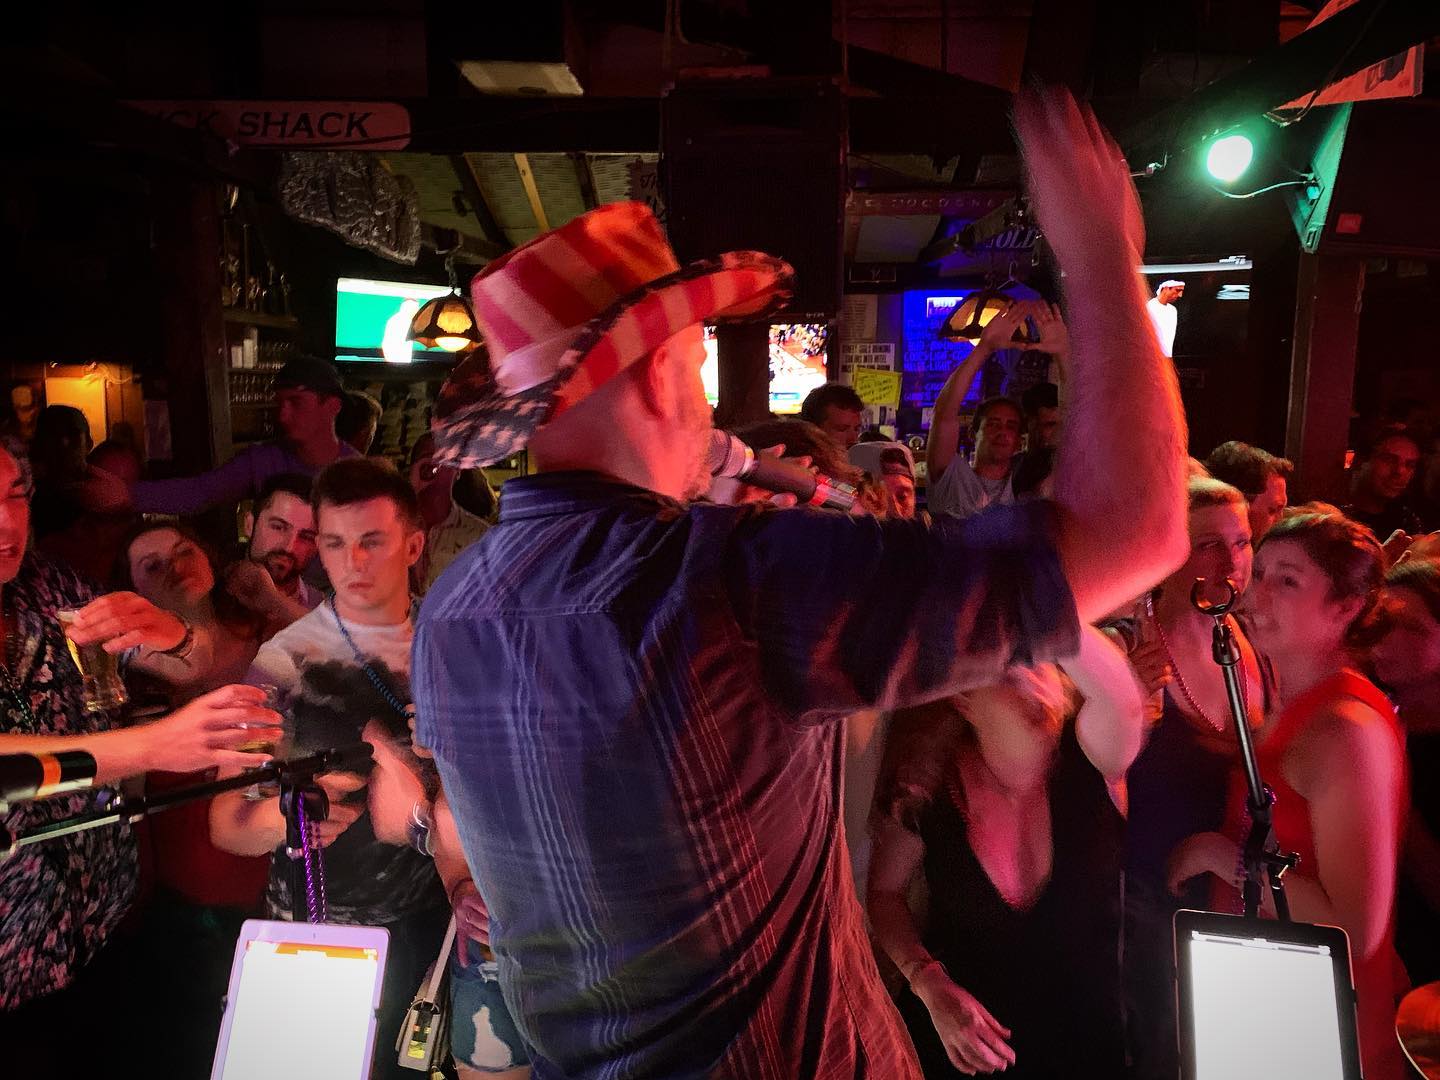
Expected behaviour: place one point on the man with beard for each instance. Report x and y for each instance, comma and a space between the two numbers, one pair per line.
267, 580
636, 701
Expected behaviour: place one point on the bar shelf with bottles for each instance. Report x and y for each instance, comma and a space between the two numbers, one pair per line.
260, 326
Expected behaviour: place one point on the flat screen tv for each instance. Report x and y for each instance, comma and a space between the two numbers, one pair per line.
797, 364
372, 318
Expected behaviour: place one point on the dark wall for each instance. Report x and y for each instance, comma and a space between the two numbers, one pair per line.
1397, 352
78, 274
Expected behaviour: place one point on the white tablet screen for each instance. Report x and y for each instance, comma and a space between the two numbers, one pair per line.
1263, 1009
300, 1009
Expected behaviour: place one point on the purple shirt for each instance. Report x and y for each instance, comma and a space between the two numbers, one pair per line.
635, 709
241, 477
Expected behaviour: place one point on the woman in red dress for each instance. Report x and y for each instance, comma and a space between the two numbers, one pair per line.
1331, 749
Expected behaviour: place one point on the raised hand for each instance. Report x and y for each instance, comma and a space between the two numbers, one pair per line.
998, 334
1079, 183
1395, 548
1053, 338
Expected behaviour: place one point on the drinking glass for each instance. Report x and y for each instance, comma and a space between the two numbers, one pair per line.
99, 671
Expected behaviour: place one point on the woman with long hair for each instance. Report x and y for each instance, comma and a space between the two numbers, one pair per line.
1332, 751
1407, 663
168, 564
202, 895
1179, 782
1006, 801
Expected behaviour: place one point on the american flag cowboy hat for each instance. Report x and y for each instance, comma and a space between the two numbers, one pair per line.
570, 310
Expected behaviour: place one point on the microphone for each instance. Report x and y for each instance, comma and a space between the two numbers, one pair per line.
730, 457
353, 758
40, 776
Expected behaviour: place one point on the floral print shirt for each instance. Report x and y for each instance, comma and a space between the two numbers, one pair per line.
59, 899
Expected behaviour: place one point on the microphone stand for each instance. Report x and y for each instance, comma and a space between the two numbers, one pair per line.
298, 791
1263, 860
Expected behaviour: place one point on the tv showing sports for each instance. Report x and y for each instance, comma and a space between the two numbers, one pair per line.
373, 317
797, 364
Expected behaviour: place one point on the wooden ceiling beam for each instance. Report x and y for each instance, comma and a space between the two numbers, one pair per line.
532, 192
475, 197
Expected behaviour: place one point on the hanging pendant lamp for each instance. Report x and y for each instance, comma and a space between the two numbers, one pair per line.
446, 322
975, 313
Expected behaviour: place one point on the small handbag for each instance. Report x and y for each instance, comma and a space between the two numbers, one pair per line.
424, 1038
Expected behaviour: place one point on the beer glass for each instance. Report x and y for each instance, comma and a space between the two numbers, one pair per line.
99, 671
274, 699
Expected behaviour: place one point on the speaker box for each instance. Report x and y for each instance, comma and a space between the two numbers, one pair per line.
759, 164
1385, 195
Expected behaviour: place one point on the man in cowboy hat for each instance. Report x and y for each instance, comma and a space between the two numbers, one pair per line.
635, 701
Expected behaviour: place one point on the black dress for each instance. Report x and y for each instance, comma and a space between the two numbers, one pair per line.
1178, 786
1051, 972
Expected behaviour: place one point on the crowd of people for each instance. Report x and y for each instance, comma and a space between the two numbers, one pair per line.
710, 784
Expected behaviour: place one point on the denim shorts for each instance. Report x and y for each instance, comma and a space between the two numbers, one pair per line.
483, 1036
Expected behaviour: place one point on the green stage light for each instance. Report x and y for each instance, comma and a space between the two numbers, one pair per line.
1228, 157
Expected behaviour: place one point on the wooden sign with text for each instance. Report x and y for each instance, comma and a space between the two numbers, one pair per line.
292, 125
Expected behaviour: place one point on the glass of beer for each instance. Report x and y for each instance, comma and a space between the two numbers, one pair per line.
264, 745
99, 671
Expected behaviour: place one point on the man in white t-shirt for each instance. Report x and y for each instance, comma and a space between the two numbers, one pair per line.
342, 673
1163, 313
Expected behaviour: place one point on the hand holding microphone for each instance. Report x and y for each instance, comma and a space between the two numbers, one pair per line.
730, 458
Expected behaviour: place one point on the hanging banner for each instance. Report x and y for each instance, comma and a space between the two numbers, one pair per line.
291, 125
1396, 76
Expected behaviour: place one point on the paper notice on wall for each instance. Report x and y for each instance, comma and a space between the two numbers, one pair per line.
865, 354
857, 317
876, 386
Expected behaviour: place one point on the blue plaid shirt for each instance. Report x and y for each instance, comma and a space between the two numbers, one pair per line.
634, 707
